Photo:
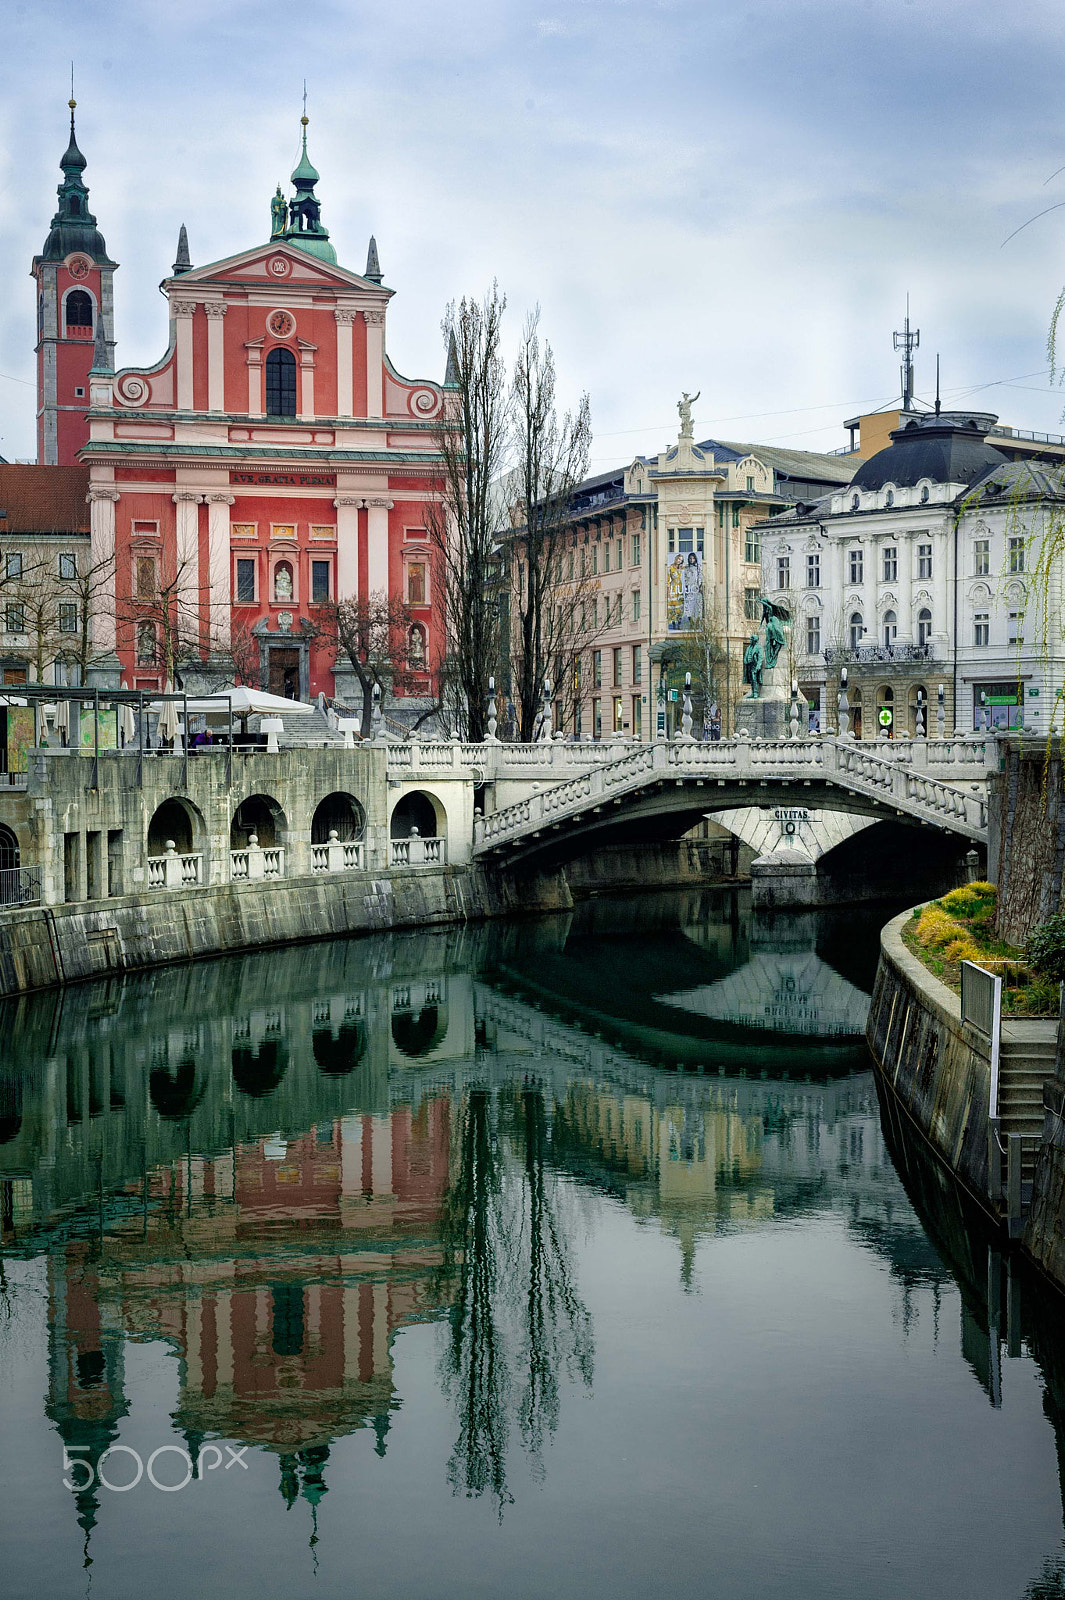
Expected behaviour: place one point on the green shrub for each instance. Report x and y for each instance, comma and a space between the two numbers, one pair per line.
1046, 949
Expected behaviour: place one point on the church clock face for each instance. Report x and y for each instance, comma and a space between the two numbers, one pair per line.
79, 266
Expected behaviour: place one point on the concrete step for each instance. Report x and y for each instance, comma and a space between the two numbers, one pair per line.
1029, 1051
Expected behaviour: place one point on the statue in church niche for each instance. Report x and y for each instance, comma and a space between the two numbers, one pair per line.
278, 213
753, 666
684, 406
773, 620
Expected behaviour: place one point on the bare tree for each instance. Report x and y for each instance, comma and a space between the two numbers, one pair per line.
471, 441
374, 635
166, 609
244, 651
551, 459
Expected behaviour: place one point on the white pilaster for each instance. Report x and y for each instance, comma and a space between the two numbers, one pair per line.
307, 375
216, 366
102, 502
905, 606
183, 312
940, 543
218, 578
375, 363
377, 546
254, 347
188, 573
345, 375
347, 582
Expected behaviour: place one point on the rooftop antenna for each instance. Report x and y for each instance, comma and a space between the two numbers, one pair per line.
907, 342
937, 383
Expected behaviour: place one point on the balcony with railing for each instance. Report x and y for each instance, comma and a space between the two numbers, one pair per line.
417, 851
20, 886
174, 870
338, 855
871, 655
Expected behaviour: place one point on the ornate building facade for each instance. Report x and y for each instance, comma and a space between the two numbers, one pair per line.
271, 461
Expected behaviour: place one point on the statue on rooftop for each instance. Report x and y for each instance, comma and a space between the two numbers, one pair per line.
278, 213
684, 406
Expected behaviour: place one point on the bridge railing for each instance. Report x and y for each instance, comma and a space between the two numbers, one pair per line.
861, 768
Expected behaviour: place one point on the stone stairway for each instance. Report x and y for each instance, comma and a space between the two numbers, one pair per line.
1026, 1060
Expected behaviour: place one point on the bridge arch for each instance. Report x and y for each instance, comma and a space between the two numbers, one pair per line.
178, 819
420, 809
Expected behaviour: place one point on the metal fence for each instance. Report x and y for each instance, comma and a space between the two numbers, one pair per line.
20, 886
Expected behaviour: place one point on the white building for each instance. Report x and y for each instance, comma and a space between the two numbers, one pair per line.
926, 577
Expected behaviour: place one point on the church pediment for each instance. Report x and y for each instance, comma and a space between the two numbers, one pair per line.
277, 263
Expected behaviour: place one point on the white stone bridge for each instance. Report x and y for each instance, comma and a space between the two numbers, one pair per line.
563, 800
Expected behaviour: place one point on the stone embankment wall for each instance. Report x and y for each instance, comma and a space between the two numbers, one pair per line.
49, 945
937, 1066
1026, 833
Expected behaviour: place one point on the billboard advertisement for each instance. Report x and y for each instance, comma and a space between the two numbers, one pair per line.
684, 592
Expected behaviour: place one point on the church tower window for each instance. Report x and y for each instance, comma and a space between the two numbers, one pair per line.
78, 309
280, 383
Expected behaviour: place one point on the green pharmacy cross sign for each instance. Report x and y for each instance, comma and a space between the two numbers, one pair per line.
887, 717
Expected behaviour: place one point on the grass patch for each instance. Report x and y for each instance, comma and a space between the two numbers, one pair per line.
960, 927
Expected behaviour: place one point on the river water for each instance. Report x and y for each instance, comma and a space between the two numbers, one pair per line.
560, 1258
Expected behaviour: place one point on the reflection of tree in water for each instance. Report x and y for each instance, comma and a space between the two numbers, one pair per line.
516, 1319
1050, 1585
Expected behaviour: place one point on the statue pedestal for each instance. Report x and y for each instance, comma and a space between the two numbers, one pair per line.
769, 717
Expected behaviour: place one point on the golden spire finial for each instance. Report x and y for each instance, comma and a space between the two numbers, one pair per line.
305, 118
72, 102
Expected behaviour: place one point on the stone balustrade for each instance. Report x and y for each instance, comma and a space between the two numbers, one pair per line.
174, 870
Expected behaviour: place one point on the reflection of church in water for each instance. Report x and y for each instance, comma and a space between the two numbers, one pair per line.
279, 1272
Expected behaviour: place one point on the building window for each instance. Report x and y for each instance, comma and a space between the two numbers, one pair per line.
924, 626
752, 610
606, 557
416, 647
750, 485
685, 540
146, 644
619, 715
813, 570
637, 663
68, 616
68, 567
891, 563
595, 611
752, 545
735, 519
813, 635
891, 628
577, 677
889, 498
145, 575
1016, 555
637, 717
981, 557
857, 629
856, 564
246, 581
597, 668
924, 560
617, 667
15, 617
636, 605
280, 383
13, 566
416, 583
1015, 629
981, 628
636, 550
783, 572
856, 501
319, 582
597, 719
998, 705
78, 309
595, 559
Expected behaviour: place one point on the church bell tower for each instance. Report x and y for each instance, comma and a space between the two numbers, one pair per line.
74, 296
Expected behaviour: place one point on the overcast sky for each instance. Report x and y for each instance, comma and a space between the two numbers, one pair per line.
731, 196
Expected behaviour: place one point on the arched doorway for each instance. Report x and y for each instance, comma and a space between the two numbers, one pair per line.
885, 712
178, 820
259, 814
338, 813
10, 861
420, 811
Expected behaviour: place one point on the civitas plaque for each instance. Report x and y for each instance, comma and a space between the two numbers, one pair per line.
791, 814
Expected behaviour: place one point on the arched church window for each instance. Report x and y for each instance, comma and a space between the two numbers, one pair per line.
79, 309
924, 626
857, 629
280, 383
891, 628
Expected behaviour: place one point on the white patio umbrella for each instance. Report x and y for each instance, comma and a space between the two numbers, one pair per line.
249, 703
62, 719
127, 726
169, 716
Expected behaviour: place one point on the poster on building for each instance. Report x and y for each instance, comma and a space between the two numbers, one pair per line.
20, 737
108, 728
684, 592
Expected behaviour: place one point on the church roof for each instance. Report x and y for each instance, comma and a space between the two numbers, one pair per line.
74, 226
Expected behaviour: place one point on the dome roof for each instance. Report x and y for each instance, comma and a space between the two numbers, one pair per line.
948, 447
